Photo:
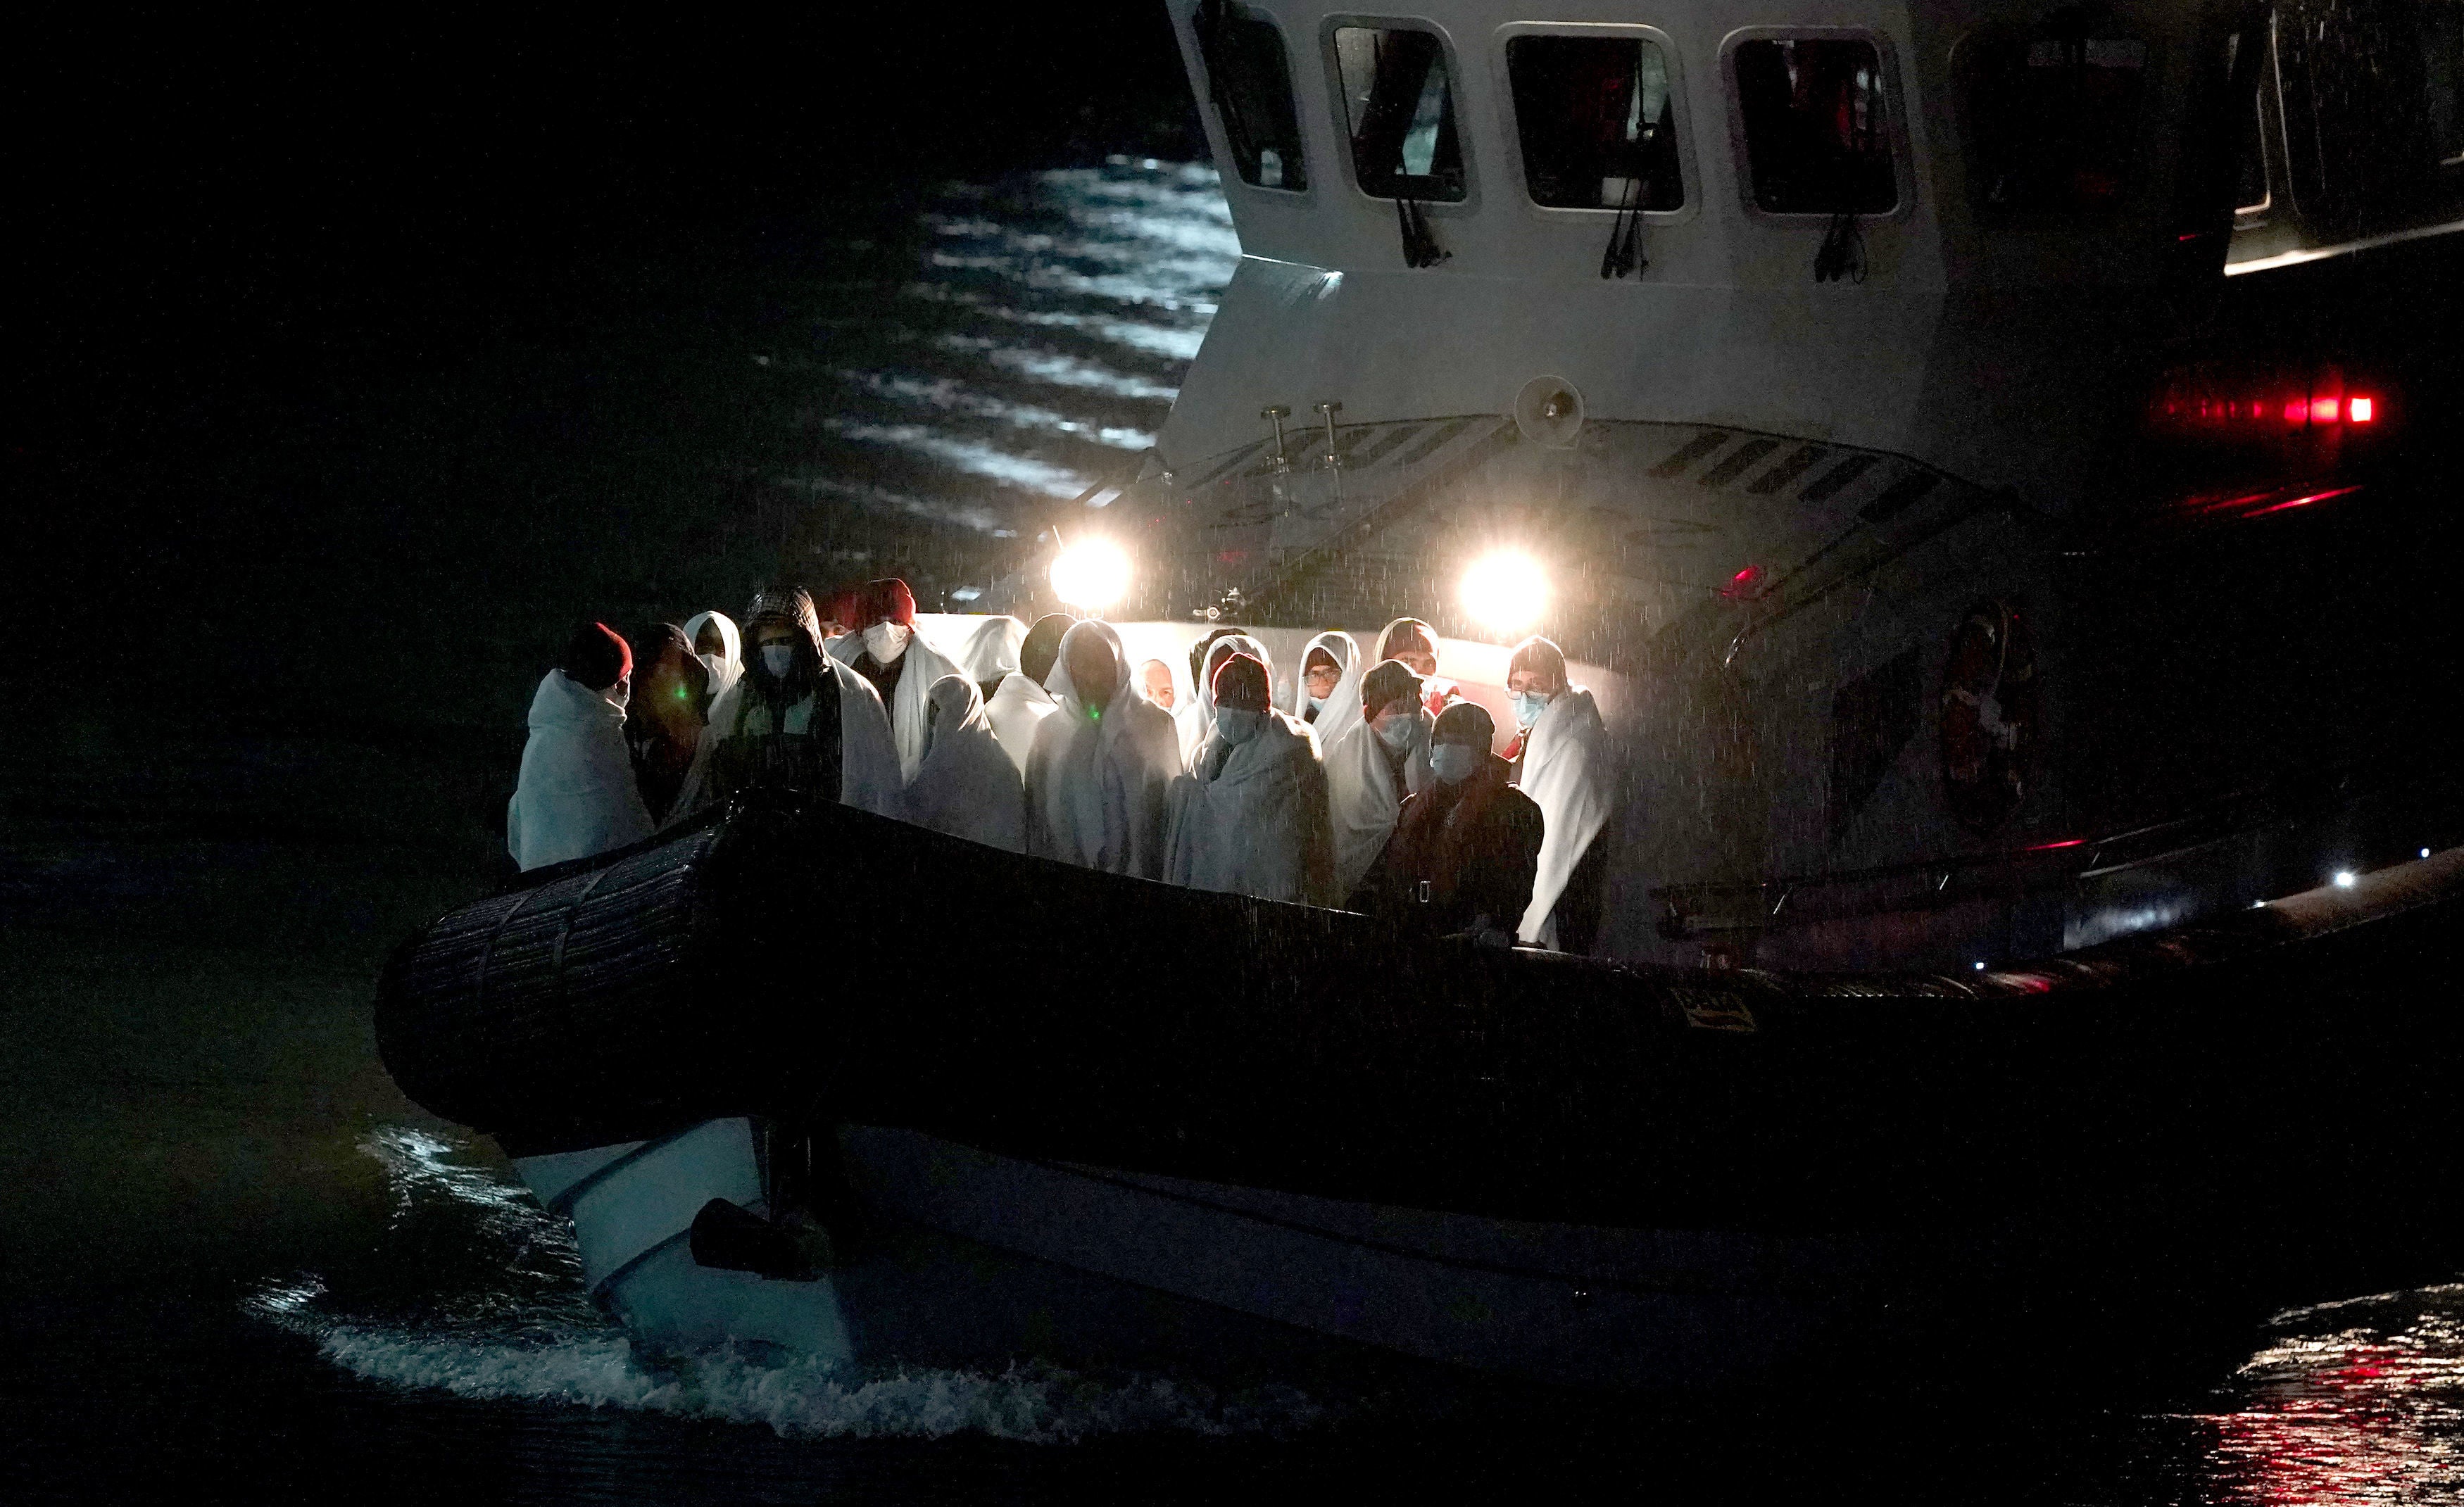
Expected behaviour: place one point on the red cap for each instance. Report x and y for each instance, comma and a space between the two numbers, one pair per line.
597, 656
886, 601
1240, 684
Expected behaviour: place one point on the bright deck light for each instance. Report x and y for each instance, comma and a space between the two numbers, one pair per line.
1505, 592
1093, 574
2343, 879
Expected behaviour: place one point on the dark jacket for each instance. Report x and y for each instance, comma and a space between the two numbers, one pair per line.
1460, 852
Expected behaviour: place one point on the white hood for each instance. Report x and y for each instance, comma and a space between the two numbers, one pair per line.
577, 795
1565, 773
991, 651
1259, 827
1195, 723
1096, 787
867, 760
1018, 706
966, 785
1342, 709
727, 666
1363, 803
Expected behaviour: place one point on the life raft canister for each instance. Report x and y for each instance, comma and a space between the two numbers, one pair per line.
1990, 717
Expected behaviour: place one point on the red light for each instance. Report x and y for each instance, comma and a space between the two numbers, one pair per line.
2296, 413
2362, 410
2322, 410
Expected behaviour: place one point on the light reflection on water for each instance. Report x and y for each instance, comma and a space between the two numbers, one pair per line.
2359, 1401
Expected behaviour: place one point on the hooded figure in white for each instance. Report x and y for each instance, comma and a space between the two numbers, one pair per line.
1021, 702
1565, 771
886, 650
1195, 723
1381, 759
576, 797
1250, 820
990, 654
966, 785
1101, 771
769, 718
727, 664
1334, 714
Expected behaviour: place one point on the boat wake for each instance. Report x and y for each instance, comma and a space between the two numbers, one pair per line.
486, 1302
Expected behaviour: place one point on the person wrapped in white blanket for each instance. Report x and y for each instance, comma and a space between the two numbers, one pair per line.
576, 797
718, 646
990, 654
1020, 703
1326, 695
966, 785
886, 650
1102, 763
1383, 758
796, 721
1195, 723
1250, 818
1563, 767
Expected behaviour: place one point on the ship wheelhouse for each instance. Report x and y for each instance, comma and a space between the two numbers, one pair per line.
1801, 351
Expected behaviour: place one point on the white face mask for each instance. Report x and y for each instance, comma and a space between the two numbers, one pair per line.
712, 662
1237, 726
1453, 763
1528, 706
779, 658
1402, 733
885, 642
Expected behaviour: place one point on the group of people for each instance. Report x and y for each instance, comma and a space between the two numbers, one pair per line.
1374, 784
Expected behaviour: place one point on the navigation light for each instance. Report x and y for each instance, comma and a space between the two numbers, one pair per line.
1507, 591
2343, 879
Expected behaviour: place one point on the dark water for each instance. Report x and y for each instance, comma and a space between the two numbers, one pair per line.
238, 1265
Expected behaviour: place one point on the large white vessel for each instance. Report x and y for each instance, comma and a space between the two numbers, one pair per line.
1990, 456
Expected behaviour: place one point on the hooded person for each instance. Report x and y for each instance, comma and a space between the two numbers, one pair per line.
720, 647
1101, 772
1327, 697
990, 653
576, 797
797, 720
1383, 758
886, 650
1021, 702
1195, 723
1465, 848
1563, 767
671, 705
1416, 644
966, 785
1250, 820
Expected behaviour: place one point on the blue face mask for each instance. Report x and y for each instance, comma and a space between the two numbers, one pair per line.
1453, 763
1237, 726
1528, 707
778, 658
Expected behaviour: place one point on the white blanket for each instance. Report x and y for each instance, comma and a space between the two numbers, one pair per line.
924, 665
1362, 801
1258, 826
868, 760
966, 785
1016, 708
991, 650
1342, 709
576, 797
1565, 773
1098, 779
727, 666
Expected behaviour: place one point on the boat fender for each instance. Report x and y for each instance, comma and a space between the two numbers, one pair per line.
730, 1237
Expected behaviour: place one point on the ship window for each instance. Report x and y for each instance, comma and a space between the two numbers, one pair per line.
2250, 195
1251, 81
1400, 109
2053, 123
1596, 121
1818, 137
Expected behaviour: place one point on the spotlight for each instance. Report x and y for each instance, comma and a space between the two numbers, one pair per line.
1505, 592
2343, 879
1092, 574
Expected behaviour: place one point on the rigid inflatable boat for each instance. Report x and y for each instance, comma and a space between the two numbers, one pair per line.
1994, 460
